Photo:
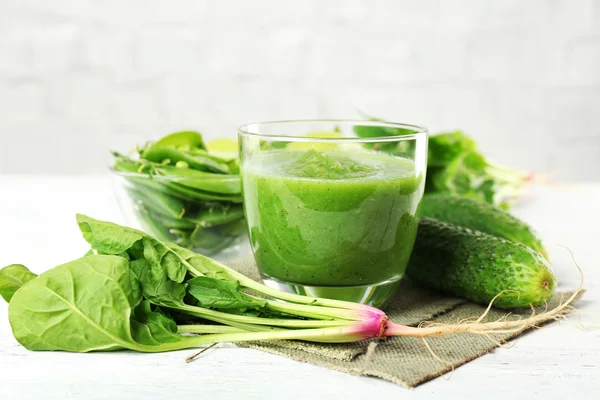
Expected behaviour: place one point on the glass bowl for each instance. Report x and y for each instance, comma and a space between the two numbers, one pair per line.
203, 214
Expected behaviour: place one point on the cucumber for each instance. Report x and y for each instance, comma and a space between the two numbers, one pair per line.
480, 216
477, 266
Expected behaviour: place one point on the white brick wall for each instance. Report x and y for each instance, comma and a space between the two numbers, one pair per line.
80, 77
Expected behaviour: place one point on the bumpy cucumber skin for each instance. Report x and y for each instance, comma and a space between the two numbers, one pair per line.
477, 266
480, 216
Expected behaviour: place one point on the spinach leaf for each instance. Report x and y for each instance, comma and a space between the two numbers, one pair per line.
152, 327
107, 237
160, 267
12, 278
90, 304
222, 294
83, 305
155, 287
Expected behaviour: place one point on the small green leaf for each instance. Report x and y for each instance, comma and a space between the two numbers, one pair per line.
151, 255
90, 304
175, 271
81, 306
155, 286
107, 237
12, 278
152, 327
221, 294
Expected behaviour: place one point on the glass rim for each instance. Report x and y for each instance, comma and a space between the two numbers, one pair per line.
419, 131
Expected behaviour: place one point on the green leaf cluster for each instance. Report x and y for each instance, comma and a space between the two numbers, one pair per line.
130, 290
455, 166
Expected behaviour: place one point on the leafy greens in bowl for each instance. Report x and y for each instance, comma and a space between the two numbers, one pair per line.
179, 191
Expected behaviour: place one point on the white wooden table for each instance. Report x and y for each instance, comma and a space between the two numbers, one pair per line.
38, 229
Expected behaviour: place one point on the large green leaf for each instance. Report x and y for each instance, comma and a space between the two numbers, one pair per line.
84, 305
90, 304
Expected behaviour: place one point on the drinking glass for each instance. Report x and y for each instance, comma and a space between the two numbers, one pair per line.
331, 205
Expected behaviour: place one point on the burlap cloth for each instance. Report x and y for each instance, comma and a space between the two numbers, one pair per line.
405, 361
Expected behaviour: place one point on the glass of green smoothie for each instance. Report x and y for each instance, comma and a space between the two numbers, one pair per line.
331, 205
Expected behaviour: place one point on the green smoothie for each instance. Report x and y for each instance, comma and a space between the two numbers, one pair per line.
331, 218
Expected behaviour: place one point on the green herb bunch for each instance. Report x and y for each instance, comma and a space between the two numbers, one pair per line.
455, 166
